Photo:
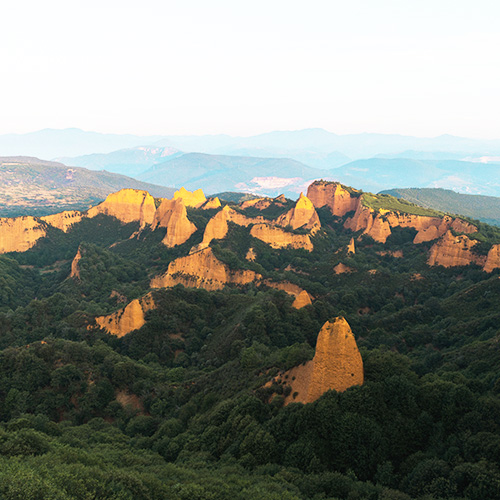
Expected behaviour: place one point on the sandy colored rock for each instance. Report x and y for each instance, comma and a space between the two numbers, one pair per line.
351, 249
451, 251
493, 259
258, 203
75, 264
333, 195
211, 203
337, 365
342, 268
127, 205
278, 238
251, 255
398, 254
128, 319
20, 233
172, 215
63, 220
190, 199
302, 215
202, 270
286, 286
303, 299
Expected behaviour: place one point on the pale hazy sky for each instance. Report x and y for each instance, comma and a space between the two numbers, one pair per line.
419, 67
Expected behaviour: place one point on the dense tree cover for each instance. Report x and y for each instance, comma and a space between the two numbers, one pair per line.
177, 409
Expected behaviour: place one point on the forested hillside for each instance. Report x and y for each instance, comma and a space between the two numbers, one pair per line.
186, 406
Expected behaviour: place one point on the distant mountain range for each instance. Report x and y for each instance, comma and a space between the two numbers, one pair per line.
315, 147
377, 174
483, 208
215, 173
29, 186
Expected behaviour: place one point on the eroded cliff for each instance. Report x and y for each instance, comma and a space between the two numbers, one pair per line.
337, 365
172, 215
202, 270
20, 233
193, 199
452, 251
333, 195
302, 215
127, 205
278, 238
128, 319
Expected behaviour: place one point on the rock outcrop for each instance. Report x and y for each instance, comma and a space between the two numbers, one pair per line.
193, 199
342, 268
278, 238
251, 255
452, 251
371, 223
333, 195
351, 249
302, 215
75, 264
128, 319
172, 215
211, 203
303, 299
127, 205
493, 259
20, 233
202, 270
63, 220
337, 365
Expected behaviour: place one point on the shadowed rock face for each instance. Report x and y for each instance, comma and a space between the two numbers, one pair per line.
190, 199
128, 319
451, 251
75, 265
172, 215
336, 365
332, 195
127, 205
20, 234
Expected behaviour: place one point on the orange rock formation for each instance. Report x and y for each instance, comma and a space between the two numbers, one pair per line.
493, 259
351, 248
342, 268
333, 195
451, 251
202, 270
63, 220
20, 233
301, 300
302, 215
337, 365
251, 255
191, 199
75, 267
172, 215
278, 238
211, 203
129, 318
127, 205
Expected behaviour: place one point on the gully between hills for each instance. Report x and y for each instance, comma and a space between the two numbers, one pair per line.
337, 363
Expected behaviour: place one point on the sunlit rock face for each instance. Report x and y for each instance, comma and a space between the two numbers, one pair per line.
211, 203
20, 233
127, 205
193, 199
303, 299
302, 215
337, 365
202, 270
63, 220
172, 215
451, 251
278, 238
493, 259
128, 319
334, 196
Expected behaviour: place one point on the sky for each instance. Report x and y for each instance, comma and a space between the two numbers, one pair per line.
424, 68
